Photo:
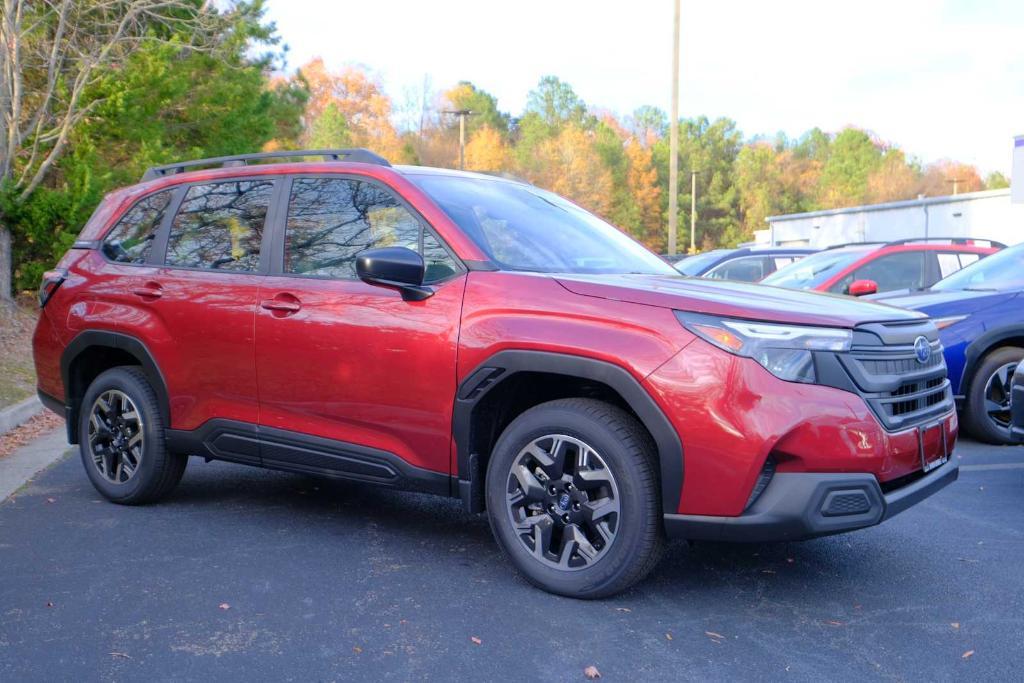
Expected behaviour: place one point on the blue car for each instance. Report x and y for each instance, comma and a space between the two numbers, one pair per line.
980, 315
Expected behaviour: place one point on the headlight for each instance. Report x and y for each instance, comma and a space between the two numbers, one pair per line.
943, 323
786, 351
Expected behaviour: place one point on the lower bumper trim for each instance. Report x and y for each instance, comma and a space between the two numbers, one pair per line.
799, 506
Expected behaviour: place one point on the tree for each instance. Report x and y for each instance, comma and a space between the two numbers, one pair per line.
946, 177
466, 96
642, 181
853, 156
329, 130
570, 166
556, 103
996, 181
648, 125
52, 52
893, 179
487, 151
360, 100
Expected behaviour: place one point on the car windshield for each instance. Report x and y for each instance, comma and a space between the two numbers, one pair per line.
1000, 271
521, 227
698, 263
810, 272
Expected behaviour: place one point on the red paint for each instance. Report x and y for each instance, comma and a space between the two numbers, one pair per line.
349, 361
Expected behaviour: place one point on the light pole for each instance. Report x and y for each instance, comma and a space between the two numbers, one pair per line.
693, 211
673, 140
462, 114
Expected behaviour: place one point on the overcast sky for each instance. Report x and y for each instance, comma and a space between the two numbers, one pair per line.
941, 79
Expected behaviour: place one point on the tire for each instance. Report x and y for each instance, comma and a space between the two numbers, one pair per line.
989, 386
606, 552
108, 463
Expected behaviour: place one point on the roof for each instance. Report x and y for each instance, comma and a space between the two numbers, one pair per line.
908, 203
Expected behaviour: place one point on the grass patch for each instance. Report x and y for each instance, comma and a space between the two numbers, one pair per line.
17, 369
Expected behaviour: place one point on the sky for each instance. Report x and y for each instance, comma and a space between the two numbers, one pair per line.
939, 79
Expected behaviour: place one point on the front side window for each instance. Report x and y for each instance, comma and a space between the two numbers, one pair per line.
220, 226
331, 220
131, 240
1000, 272
816, 269
749, 269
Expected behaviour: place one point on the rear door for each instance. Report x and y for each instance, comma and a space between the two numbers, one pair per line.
203, 301
352, 379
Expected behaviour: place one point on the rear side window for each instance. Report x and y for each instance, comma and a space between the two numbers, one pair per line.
749, 269
131, 239
331, 220
950, 262
220, 226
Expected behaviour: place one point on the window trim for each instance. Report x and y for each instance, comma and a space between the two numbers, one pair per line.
262, 266
280, 227
172, 203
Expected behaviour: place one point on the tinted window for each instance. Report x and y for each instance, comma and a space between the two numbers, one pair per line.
331, 220
220, 226
131, 240
749, 269
816, 269
902, 270
521, 227
699, 263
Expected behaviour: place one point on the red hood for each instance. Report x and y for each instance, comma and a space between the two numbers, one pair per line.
735, 299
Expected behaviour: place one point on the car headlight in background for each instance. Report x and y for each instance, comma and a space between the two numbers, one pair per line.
943, 323
786, 351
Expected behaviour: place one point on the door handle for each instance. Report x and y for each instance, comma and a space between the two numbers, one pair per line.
150, 290
280, 305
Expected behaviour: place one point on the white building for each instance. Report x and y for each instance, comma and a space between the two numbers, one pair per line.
980, 215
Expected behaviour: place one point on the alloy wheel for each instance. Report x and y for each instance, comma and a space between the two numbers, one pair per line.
997, 395
116, 440
563, 502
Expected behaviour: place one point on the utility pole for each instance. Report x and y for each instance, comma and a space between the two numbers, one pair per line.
956, 184
673, 140
693, 211
462, 114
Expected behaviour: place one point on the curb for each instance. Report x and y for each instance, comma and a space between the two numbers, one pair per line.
18, 468
19, 413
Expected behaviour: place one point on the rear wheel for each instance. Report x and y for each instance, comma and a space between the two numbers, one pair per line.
122, 442
987, 415
572, 497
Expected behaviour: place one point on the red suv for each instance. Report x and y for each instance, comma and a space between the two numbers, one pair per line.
868, 268
483, 339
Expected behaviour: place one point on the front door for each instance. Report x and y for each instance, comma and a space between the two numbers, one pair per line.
351, 377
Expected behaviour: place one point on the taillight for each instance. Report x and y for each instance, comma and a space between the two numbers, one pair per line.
52, 279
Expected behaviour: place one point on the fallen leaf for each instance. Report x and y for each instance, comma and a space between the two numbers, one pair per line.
967, 655
120, 654
623, 609
51, 500
790, 560
224, 606
833, 622
591, 672
476, 641
358, 650
767, 571
712, 634
956, 625
668, 636
49, 604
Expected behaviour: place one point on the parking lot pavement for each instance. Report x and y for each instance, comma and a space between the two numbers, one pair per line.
261, 575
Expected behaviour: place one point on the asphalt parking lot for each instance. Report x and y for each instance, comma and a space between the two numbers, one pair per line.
247, 574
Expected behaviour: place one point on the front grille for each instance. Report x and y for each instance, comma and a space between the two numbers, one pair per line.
884, 369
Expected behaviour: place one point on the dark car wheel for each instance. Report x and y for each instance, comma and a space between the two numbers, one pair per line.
987, 416
572, 497
122, 442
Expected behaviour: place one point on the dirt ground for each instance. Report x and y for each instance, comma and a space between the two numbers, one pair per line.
17, 372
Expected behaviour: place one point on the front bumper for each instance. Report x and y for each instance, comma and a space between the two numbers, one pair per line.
801, 505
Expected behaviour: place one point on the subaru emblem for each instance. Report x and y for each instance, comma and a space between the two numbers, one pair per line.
923, 350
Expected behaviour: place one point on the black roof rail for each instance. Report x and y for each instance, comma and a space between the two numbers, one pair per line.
951, 240
363, 156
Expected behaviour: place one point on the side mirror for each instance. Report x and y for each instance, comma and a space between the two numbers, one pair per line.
395, 267
863, 287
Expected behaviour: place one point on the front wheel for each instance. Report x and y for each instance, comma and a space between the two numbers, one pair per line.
987, 417
572, 498
121, 439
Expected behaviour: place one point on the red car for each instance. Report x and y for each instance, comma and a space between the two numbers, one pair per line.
483, 339
872, 268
